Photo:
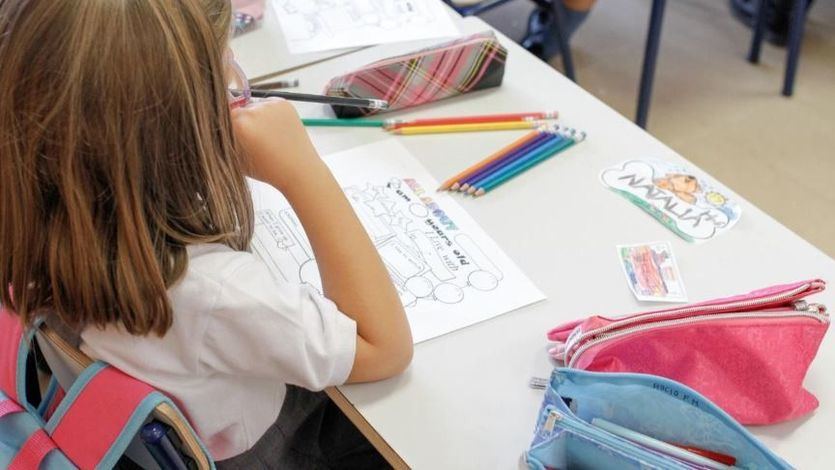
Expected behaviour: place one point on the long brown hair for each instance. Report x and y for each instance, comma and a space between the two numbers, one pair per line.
116, 152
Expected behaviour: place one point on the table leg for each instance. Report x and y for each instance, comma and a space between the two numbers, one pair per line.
759, 31
656, 19
562, 37
797, 19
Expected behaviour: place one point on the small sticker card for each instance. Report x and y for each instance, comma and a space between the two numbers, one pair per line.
652, 272
692, 207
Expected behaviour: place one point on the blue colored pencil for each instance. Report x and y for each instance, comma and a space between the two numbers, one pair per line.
467, 182
551, 140
511, 156
521, 166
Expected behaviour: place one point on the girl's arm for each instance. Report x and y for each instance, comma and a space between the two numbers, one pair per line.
279, 153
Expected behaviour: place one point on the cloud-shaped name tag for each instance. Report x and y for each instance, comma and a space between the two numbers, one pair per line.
693, 208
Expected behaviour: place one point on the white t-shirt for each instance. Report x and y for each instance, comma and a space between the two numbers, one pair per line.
239, 335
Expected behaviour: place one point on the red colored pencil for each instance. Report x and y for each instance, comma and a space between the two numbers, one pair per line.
390, 124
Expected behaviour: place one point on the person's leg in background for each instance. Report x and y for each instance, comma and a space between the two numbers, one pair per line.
576, 12
542, 32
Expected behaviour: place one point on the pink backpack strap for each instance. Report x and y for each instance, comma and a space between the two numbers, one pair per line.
100, 415
14, 347
33, 445
33, 451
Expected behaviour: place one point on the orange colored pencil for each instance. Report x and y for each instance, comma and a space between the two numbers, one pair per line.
493, 157
536, 116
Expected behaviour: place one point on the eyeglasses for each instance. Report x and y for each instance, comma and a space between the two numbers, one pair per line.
239, 90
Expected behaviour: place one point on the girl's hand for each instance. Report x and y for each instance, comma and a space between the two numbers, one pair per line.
274, 143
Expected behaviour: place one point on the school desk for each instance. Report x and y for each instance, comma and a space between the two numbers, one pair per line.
464, 402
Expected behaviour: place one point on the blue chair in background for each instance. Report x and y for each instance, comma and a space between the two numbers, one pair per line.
797, 22
795, 37
549, 12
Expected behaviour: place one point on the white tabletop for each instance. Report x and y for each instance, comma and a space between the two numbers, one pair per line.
464, 402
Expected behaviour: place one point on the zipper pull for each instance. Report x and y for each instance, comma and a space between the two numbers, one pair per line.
803, 306
551, 421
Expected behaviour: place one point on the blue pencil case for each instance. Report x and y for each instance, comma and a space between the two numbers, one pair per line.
653, 406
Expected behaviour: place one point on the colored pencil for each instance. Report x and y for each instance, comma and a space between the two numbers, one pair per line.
535, 145
331, 100
327, 122
547, 150
511, 156
454, 183
497, 155
536, 116
522, 165
477, 127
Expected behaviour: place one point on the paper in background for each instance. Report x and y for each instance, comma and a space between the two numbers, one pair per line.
448, 272
321, 25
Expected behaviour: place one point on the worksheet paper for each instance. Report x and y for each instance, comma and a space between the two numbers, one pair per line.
448, 272
321, 25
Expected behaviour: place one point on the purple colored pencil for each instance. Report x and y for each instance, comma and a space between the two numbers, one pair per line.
509, 156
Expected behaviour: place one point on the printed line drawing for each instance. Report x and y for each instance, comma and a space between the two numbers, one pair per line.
330, 18
320, 25
428, 258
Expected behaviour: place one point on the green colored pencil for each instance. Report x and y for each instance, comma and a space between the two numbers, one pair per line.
327, 122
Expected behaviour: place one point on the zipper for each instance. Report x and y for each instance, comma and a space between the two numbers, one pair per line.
589, 431
703, 309
802, 309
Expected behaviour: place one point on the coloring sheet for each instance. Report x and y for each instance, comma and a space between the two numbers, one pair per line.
321, 25
448, 272
692, 207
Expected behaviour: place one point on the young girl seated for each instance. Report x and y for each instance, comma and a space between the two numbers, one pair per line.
126, 215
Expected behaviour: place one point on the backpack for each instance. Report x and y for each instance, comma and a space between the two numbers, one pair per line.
89, 426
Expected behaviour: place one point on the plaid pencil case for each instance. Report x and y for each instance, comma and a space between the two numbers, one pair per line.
467, 64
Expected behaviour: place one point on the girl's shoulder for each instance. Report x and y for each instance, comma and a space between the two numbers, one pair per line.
217, 263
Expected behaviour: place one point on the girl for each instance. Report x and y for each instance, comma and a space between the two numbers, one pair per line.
126, 215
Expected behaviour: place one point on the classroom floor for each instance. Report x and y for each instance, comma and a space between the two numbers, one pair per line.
716, 109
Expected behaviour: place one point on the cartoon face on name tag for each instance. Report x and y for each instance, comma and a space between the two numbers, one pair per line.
692, 207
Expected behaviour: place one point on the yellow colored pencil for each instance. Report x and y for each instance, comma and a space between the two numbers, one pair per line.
478, 127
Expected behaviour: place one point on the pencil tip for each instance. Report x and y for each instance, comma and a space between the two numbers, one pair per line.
471, 191
480, 193
455, 186
464, 187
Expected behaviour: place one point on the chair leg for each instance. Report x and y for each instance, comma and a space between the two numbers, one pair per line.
656, 19
759, 32
562, 37
798, 19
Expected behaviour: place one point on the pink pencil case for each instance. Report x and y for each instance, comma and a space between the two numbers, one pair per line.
748, 354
